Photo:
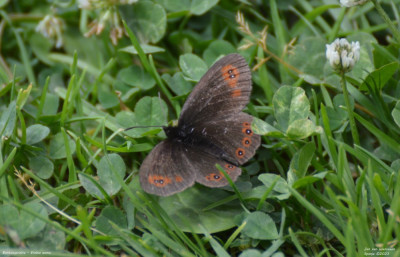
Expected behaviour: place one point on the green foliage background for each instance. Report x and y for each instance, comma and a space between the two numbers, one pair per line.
72, 78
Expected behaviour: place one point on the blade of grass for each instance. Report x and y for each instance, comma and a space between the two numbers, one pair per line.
297, 243
48, 187
310, 207
7, 162
42, 98
71, 165
58, 226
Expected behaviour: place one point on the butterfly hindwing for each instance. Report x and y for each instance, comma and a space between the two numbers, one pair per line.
234, 136
206, 172
164, 171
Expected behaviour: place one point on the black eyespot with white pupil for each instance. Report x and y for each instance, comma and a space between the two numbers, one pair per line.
248, 131
247, 142
240, 152
216, 176
160, 181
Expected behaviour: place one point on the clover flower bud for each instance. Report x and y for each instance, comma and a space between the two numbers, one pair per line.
342, 55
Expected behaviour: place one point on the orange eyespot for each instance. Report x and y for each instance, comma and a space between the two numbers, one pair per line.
246, 141
229, 166
159, 181
230, 74
214, 177
247, 131
240, 152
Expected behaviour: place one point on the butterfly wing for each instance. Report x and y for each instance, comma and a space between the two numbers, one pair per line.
214, 109
166, 170
204, 167
234, 137
208, 174
217, 132
225, 88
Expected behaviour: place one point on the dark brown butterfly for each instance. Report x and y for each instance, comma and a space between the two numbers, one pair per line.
212, 129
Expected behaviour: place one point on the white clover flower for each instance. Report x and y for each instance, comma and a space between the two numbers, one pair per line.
51, 27
350, 3
342, 55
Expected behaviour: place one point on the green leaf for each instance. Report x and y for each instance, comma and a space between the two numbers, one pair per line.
199, 7
196, 7
25, 224
41, 47
192, 66
396, 113
57, 148
107, 98
378, 78
90, 186
302, 159
309, 57
7, 120
3, 3
50, 239
300, 129
263, 128
187, 209
36, 133
290, 104
175, 5
250, 253
305, 181
41, 166
106, 175
260, 226
109, 215
217, 49
51, 102
149, 111
177, 83
136, 76
337, 115
280, 191
147, 19
147, 49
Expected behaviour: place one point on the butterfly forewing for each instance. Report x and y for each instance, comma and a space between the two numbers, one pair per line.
224, 89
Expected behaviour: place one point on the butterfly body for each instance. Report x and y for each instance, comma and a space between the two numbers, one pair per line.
212, 129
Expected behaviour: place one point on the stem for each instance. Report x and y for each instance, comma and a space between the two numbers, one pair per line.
385, 17
354, 132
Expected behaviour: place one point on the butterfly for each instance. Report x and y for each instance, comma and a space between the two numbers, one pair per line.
212, 129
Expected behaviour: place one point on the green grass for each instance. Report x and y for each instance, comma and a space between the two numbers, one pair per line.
69, 172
